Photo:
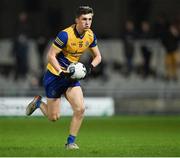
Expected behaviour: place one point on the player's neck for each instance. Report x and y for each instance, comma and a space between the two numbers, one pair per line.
79, 31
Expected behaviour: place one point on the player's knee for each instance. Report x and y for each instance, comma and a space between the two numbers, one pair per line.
80, 111
53, 117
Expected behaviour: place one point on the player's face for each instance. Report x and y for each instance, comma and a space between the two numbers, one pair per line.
84, 21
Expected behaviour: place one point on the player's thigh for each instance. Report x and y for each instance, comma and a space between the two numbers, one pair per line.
75, 97
53, 105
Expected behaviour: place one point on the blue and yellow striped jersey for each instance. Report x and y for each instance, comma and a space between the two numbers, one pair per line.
72, 46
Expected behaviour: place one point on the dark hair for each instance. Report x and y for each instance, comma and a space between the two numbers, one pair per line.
83, 10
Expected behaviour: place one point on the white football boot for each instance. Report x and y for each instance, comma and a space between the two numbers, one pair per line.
32, 105
71, 146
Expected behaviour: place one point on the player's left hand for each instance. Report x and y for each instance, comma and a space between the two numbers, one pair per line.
89, 68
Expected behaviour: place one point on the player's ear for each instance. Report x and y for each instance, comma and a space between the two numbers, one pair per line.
76, 20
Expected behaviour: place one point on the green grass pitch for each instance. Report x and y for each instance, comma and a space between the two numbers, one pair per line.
99, 136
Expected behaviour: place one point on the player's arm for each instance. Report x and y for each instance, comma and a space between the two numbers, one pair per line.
96, 56
51, 56
57, 46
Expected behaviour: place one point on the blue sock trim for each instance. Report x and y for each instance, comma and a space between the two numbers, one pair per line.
71, 139
38, 103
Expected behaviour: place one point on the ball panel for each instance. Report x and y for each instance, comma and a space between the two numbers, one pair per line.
80, 70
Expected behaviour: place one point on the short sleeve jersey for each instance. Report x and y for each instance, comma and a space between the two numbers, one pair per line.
71, 46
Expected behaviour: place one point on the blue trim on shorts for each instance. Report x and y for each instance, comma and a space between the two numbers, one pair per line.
55, 86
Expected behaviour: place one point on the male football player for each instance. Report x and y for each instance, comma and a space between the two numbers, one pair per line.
67, 47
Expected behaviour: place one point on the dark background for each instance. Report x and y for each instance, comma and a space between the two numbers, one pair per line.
49, 16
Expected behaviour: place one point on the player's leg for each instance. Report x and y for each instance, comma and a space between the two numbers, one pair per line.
50, 110
54, 88
75, 97
33, 105
44, 108
53, 108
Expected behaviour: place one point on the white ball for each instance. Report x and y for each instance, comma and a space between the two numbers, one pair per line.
80, 70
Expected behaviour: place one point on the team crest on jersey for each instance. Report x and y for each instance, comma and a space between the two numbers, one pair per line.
80, 44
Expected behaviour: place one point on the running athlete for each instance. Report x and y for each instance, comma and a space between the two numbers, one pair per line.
67, 48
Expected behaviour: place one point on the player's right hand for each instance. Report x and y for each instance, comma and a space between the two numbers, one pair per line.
69, 73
